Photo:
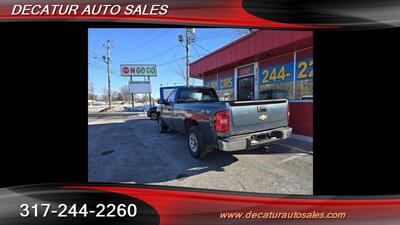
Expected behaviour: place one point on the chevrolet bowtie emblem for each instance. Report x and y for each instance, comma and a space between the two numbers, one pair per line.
263, 117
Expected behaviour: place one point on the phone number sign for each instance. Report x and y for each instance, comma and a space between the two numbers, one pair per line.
139, 70
276, 73
284, 72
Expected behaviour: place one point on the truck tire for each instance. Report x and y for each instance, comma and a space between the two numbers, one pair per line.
196, 143
153, 116
161, 126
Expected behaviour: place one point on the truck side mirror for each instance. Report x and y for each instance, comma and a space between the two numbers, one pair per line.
160, 101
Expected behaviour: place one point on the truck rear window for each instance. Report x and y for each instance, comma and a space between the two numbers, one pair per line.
198, 95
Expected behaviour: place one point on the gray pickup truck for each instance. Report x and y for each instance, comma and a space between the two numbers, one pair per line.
225, 125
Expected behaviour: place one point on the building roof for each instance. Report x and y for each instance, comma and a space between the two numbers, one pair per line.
251, 45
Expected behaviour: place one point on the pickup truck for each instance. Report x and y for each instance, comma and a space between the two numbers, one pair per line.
225, 125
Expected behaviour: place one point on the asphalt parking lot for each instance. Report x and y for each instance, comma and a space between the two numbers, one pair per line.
127, 147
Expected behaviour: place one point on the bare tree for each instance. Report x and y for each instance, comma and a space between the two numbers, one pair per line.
142, 98
180, 71
91, 90
104, 94
126, 94
116, 96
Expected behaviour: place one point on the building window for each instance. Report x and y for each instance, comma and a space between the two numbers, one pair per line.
279, 78
277, 91
226, 95
304, 75
245, 70
223, 85
276, 78
225, 88
211, 83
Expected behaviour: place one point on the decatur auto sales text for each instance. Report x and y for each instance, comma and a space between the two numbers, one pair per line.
88, 10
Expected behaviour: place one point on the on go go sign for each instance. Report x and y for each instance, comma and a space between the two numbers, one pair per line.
139, 70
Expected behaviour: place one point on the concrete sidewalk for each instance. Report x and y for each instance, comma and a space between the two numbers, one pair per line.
296, 145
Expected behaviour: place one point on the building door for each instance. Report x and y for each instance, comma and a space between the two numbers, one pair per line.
245, 88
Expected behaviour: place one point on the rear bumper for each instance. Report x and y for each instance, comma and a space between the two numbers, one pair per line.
252, 140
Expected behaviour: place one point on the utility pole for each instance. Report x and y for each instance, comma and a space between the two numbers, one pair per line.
189, 37
106, 60
108, 73
187, 55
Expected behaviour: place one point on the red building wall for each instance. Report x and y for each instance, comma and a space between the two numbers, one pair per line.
248, 46
301, 118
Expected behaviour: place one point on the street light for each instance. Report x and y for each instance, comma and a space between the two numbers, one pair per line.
180, 38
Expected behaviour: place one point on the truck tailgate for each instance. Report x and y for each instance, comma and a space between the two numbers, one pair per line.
253, 116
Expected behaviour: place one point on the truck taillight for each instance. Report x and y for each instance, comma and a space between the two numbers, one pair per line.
288, 113
221, 121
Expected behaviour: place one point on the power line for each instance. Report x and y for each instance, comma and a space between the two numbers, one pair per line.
143, 44
136, 38
214, 37
158, 55
96, 66
177, 50
100, 67
93, 53
176, 54
195, 49
211, 34
172, 61
201, 47
169, 62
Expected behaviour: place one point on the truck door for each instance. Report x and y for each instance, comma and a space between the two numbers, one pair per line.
168, 109
178, 113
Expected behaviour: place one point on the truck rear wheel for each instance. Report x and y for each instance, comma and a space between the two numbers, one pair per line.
196, 143
161, 126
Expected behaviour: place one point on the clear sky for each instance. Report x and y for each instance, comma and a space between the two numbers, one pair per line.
151, 46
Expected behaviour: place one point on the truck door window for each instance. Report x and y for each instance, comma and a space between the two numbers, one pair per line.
171, 97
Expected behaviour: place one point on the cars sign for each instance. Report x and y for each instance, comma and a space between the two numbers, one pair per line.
139, 70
